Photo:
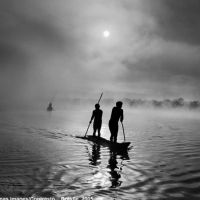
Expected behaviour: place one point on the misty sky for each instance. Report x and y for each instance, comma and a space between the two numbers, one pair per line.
56, 48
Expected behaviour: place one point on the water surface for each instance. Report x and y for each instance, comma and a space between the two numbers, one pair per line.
41, 156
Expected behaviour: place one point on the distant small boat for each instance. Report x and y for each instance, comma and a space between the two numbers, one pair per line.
50, 107
104, 142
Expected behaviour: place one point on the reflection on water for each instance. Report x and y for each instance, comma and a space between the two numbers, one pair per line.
114, 167
40, 156
114, 171
95, 158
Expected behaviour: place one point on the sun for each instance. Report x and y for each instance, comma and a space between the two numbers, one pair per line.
106, 33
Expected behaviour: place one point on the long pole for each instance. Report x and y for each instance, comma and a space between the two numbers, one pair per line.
100, 98
123, 131
87, 129
90, 122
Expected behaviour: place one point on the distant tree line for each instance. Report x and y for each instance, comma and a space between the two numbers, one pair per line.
166, 103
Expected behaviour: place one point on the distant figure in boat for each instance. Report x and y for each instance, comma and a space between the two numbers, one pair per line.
50, 107
97, 116
116, 115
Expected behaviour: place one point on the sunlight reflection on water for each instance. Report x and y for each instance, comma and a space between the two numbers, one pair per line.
40, 155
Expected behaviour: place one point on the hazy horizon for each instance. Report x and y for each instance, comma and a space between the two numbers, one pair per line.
58, 49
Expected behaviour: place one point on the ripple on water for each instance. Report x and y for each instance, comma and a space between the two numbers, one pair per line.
163, 163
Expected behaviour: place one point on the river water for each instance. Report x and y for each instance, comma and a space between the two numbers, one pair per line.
40, 156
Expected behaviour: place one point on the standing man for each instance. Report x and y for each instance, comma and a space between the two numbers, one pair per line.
97, 116
116, 115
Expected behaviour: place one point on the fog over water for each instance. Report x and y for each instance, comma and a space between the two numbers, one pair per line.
40, 155
50, 49
56, 51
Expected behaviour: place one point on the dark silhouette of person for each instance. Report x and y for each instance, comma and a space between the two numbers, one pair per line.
97, 116
50, 107
116, 115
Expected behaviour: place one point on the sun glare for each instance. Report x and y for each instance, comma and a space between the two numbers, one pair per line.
106, 33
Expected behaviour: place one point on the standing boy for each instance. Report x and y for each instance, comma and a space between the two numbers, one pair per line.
97, 116
116, 115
